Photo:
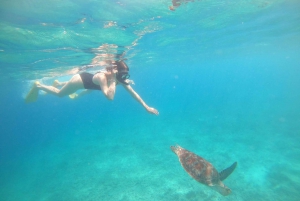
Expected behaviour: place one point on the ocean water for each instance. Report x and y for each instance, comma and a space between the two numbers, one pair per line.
224, 76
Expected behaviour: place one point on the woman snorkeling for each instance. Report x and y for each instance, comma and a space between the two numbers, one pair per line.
106, 81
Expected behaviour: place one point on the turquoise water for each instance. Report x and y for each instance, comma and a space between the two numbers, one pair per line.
224, 76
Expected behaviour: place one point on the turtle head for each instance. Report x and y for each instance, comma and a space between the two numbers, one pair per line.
176, 149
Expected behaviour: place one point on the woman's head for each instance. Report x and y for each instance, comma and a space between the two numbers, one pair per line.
122, 74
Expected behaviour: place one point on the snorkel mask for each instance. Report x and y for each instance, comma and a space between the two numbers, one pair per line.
122, 76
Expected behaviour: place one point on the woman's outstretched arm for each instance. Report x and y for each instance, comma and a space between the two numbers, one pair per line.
140, 100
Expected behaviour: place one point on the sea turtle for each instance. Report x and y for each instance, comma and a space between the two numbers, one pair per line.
202, 170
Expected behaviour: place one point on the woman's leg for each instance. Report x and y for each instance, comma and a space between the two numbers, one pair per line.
83, 92
70, 87
57, 83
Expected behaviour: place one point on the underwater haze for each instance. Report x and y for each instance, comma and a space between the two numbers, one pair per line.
224, 76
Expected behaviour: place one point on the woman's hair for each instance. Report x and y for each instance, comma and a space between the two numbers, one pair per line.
121, 66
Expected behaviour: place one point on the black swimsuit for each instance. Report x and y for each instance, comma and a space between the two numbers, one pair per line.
87, 79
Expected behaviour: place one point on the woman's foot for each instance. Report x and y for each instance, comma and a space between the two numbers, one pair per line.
37, 84
33, 93
56, 83
73, 95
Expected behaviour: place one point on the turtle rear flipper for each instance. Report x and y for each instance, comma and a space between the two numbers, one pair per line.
226, 172
222, 189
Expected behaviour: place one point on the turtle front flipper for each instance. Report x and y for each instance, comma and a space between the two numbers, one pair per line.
226, 172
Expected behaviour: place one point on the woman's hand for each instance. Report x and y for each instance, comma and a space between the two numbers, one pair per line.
152, 110
111, 76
